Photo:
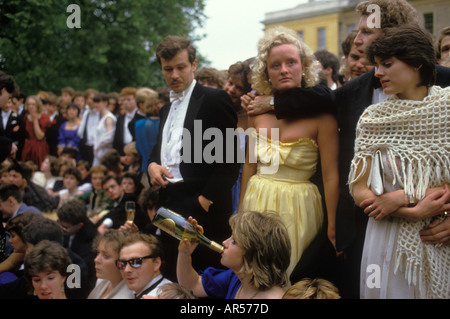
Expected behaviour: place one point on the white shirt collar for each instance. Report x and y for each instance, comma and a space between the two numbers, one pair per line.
131, 114
155, 279
181, 95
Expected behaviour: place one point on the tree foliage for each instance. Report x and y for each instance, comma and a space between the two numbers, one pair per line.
113, 48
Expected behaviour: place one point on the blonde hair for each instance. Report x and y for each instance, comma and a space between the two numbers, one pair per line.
174, 291
38, 101
112, 237
151, 105
266, 245
130, 149
128, 91
312, 289
144, 94
275, 37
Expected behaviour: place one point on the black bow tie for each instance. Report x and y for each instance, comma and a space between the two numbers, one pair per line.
376, 82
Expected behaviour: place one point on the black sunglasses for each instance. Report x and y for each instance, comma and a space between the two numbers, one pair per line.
133, 262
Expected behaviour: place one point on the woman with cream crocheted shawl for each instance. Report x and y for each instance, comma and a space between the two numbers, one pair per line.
400, 171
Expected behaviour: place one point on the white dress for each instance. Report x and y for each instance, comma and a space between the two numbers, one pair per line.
103, 140
378, 280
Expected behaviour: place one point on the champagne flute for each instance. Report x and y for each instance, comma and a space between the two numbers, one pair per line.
130, 208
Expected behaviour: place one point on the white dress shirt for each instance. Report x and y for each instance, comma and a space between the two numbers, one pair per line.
127, 137
154, 291
172, 136
92, 121
5, 117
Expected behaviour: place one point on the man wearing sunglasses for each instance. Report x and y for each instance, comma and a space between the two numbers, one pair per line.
140, 264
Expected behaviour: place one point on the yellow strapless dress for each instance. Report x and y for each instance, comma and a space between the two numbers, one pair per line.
288, 190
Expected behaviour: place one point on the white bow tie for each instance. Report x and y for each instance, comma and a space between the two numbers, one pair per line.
176, 96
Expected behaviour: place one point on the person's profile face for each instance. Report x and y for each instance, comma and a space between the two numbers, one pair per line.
445, 47
233, 255
17, 243
7, 106
4, 97
105, 266
366, 35
6, 209
354, 62
397, 77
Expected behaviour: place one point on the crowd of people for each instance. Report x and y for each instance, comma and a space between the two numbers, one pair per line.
362, 174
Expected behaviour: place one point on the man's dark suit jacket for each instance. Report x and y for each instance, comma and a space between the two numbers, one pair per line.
52, 134
82, 245
14, 129
213, 109
37, 196
214, 181
10, 124
118, 214
6, 148
118, 142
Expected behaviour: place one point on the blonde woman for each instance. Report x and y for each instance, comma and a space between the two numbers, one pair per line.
256, 255
110, 284
284, 62
36, 123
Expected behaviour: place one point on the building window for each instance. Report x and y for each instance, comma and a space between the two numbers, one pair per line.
321, 33
428, 21
300, 34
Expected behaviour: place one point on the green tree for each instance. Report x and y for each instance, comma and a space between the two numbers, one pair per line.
113, 48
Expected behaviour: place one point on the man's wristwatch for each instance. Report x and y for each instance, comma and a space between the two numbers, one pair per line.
272, 103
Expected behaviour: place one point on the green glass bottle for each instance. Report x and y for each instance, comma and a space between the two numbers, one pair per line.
178, 227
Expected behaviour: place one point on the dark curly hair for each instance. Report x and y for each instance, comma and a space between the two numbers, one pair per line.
410, 44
